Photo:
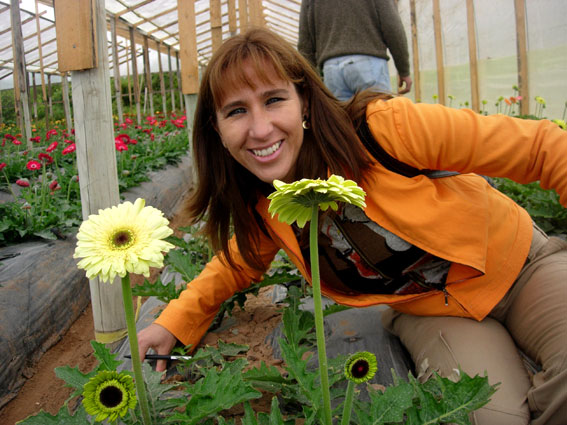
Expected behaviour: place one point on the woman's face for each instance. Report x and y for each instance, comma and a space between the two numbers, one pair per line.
261, 127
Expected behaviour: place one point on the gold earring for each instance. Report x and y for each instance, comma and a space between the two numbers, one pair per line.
305, 124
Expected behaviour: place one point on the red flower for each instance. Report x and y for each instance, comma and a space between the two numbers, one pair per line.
2, 165
33, 165
52, 147
35, 139
121, 146
128, 121
50, 133
71, 148
9, 136
152, 137
48, 159
68, 141
23, 182
133, 142
53, 186
73, 131
124, 138
178, 123
16, 142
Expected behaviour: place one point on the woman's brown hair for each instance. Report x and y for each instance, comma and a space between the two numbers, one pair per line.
227, 192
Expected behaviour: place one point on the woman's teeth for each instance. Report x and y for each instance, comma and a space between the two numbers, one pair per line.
267, 151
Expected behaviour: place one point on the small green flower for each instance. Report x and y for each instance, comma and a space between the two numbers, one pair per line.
109, 394
294, 201
361, 367
560, 123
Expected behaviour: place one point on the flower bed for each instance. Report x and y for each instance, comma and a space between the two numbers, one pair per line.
39, 302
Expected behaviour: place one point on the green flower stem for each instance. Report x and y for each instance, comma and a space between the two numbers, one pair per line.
319, 324
133, 339
348, 403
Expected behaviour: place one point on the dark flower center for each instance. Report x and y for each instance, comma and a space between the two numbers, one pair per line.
122, 239
111, 396
360, 368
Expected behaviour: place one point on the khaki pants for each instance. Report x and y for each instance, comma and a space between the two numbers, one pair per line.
531, 317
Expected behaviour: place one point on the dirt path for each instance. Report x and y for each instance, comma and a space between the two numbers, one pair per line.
44, 390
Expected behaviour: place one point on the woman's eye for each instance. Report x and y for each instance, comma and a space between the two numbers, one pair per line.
235, 112
274, 100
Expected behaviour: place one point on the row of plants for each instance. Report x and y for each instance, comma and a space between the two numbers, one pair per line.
43, 180
217, 379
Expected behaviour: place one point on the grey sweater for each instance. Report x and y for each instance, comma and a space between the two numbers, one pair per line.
331, 28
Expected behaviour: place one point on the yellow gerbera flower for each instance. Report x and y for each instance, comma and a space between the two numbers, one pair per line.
294, 201
127, 238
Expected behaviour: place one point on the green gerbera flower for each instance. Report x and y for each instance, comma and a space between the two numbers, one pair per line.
295, 201
361, 367
109, 394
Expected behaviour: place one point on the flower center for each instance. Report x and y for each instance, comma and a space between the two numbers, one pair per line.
111, 396
122, 239
360, 369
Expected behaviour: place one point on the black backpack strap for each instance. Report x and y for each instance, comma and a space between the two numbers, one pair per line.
392, 163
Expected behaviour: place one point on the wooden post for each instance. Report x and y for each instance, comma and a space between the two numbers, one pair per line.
216, 24
39, 46
96, 160
181, 101
128, 76
256, 13
148, 73
170, 73
415, 53
439, 51
66, 106
243, 15
473, 57
161, 82
135, 76
522, 54
232, 17
34, 97
49, 95
20, 87
116, 62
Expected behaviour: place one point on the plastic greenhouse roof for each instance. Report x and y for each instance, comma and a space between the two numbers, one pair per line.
156, 19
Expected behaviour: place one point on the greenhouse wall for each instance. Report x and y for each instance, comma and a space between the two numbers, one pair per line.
496, 40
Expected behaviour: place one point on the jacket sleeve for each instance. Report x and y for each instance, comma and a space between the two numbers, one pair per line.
442, 138
189, 316
306, 39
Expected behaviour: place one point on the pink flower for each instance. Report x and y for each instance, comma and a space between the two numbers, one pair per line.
128, 121
23, 182
33, 165
2, 165
16, 142
71, 148
178, 123
52, 147
53, 186
43, 157
121, 146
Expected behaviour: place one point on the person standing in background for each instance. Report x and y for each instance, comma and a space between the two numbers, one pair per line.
347, 41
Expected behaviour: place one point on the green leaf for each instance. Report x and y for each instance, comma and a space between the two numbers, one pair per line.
74, 378
63, 417
105, 357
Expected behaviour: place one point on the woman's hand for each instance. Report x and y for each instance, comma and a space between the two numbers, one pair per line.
158, 338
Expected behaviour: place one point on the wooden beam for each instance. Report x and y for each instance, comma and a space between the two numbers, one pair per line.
216, 23
415, 53
20, 87
256, 11
170, 73
135, 76
243, 15
148, 74
161, 81
473, 56
96, 162
132, 8
439, 52
232, 17
522, 55
74, 23
117, 81
41, 73
188, 47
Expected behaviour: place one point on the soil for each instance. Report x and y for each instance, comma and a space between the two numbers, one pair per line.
44, 391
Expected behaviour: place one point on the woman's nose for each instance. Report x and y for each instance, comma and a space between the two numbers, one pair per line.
260, 125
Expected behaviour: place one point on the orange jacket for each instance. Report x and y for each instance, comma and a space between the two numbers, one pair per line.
462, 219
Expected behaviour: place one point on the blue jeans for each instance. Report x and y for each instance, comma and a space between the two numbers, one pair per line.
346, 75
